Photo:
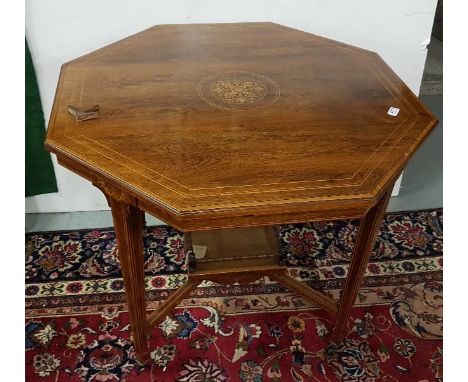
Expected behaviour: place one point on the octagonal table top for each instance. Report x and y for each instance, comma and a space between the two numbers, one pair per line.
217, 125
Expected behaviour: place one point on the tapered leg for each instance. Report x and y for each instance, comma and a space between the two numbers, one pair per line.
128, 223
368, 230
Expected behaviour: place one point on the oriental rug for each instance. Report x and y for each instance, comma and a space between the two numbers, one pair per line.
77, 327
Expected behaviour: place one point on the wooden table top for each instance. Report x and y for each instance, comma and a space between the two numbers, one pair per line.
218, 125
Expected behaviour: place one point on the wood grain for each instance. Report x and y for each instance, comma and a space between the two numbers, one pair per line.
368, 230
308, 293
237, 243
128, 224
229, 272
227, 125
211, 127
171, 302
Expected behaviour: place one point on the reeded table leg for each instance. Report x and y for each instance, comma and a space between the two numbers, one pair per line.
368, 230
128, 223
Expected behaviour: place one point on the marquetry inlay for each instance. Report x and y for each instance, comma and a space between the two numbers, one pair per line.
231, 125
228, 164
238, 90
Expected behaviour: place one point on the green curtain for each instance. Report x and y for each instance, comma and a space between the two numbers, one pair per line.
40, 176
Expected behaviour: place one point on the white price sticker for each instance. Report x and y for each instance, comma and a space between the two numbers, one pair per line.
393, 111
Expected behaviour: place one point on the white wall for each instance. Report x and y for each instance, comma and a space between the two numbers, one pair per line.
59, 30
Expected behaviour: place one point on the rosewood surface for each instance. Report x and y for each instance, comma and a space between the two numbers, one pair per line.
223, 125
222, 131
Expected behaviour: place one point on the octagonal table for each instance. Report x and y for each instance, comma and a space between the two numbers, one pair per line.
225, 130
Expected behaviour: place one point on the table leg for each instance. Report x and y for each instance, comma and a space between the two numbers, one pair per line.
368, 230
128, 224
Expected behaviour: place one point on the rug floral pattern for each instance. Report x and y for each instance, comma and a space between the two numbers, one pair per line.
77, 326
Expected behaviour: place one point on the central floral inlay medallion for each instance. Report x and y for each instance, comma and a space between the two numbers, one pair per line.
238, 91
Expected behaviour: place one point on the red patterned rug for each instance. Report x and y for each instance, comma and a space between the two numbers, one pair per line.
77, 327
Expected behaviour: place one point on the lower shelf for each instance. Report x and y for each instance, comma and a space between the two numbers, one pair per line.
236, 255
242, 275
